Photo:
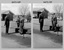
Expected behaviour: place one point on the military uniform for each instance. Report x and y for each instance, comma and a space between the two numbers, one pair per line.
21, 25
41, 20
7, 23
18, 22
54, 22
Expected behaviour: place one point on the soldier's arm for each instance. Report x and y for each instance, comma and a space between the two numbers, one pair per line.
39, 18
5, 21
56, 20
51, 18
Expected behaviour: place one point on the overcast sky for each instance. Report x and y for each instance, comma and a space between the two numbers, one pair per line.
14, 7
48, 6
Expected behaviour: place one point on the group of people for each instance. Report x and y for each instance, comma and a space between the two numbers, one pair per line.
53, 21
20, 23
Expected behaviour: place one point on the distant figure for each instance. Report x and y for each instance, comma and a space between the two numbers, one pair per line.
18, 21
54, 22
7, 23
21, 25
41, 20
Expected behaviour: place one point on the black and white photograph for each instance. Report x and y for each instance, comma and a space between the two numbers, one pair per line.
16, 25
47, 25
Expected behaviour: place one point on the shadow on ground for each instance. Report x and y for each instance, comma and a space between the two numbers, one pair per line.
54, 37
19, 39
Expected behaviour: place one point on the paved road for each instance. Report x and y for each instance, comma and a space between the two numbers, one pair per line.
46, 39
15, 40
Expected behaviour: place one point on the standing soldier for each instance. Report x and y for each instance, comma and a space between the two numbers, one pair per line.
18, 21
41, 20
54, 22
21, 25
7, 23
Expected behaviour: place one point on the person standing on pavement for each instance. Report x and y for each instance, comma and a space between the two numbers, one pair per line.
54, 22
7, 23
21, 27
41, 20
18, 21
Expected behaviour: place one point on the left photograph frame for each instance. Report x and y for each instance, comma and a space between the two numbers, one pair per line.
16, 25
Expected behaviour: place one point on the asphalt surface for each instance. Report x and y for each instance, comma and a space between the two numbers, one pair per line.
15, 40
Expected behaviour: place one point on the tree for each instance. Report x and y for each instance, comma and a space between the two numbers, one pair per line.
23, 9
28, 17
58, 9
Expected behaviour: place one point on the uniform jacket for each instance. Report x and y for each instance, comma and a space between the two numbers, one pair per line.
41, 17
7, 20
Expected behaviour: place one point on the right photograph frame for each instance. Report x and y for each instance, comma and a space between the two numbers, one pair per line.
47, 25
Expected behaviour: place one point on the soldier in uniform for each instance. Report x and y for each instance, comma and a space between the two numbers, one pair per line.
41, 20
18, 21
21, 25
7, 23
54, 22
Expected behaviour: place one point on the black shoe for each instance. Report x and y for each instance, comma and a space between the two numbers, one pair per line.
41, 31
7, 33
